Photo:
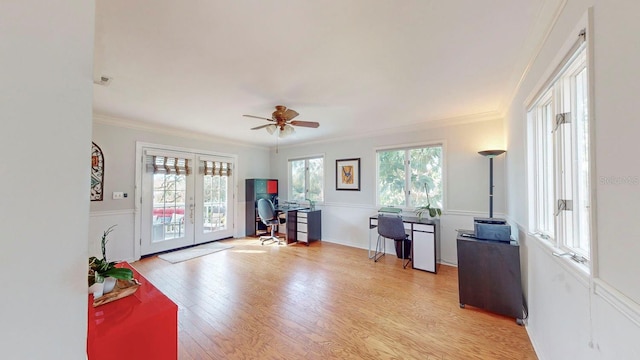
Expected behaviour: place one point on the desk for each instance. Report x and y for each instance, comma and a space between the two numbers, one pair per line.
425, 236
140, 326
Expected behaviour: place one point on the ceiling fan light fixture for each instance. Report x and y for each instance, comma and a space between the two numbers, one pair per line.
271, 129
282, 122
288, 129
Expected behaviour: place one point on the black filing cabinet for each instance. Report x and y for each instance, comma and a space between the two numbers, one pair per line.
489, 275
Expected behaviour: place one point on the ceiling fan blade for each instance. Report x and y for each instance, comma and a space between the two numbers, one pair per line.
311, 124
290, 114
258, 117
261, 126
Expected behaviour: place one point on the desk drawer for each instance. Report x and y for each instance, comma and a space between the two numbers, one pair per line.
302, 217
423, 227
302, 236
302, 227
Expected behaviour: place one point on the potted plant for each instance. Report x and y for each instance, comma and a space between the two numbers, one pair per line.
103, 273
432, 211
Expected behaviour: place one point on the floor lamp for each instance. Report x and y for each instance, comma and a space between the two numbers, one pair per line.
491, 154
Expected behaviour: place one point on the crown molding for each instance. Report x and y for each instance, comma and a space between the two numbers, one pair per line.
547, 20
168, 130
419, 126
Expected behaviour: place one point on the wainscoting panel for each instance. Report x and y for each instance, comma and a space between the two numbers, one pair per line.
348, 224
120, 245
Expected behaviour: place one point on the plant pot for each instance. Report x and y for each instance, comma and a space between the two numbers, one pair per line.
109, 284
99, 289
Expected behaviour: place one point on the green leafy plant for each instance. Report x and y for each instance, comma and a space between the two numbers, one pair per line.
102, 268
432, 211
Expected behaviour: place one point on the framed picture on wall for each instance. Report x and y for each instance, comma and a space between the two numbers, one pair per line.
348, 174
97, 173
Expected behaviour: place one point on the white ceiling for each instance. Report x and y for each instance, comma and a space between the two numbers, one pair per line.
353, 65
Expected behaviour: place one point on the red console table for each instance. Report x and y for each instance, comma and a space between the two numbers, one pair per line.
140, 326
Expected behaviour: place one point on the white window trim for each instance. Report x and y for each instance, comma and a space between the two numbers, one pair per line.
590, 267
324, 175
442, 143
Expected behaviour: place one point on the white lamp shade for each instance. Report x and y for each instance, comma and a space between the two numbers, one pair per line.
288, 130
271, 129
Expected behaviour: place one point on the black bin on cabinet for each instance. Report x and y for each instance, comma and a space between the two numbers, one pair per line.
407, 248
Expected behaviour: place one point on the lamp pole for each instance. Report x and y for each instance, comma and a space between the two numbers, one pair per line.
491, 154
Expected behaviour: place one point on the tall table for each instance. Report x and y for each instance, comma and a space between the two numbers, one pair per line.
489, 275
140, 326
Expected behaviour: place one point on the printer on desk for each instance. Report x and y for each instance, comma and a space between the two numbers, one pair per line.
491, 229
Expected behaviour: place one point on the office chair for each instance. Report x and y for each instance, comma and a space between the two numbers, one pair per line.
267, 214
391, 227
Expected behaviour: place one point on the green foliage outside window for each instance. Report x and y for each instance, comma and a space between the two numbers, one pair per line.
306, 179
413, 169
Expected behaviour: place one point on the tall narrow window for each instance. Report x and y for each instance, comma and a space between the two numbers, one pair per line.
306, 179
407, 175
559, 153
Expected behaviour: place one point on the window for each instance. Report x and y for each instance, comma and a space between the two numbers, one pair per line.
406, 174
306, 179
559, 151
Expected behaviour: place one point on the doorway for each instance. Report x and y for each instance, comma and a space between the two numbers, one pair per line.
187, 198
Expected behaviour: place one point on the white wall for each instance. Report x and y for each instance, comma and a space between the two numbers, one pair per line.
117, 138
573, 315
345, 213
466, 176
45, 110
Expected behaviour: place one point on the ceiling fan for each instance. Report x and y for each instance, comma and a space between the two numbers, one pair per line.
282, 119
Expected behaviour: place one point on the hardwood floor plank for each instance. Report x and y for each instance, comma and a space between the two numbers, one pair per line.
325, 301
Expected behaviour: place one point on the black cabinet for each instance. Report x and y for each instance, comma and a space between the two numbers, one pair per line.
304, 226
489, 275
256, 189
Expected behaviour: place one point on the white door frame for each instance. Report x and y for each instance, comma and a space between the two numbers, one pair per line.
137, 243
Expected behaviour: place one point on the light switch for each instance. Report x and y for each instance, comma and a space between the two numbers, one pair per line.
117, 195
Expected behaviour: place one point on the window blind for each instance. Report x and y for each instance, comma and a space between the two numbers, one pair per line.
167, 165
215, 168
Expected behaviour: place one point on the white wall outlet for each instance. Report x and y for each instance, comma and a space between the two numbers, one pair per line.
117, 195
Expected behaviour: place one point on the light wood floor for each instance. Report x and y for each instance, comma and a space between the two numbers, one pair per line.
325, 301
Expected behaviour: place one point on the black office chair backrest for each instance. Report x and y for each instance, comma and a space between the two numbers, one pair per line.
266, 211
391, 227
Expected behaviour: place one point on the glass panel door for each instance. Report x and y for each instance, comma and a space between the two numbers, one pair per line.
185, 202
214, 204
167, 203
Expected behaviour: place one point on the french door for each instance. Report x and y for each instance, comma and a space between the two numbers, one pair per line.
187, 199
